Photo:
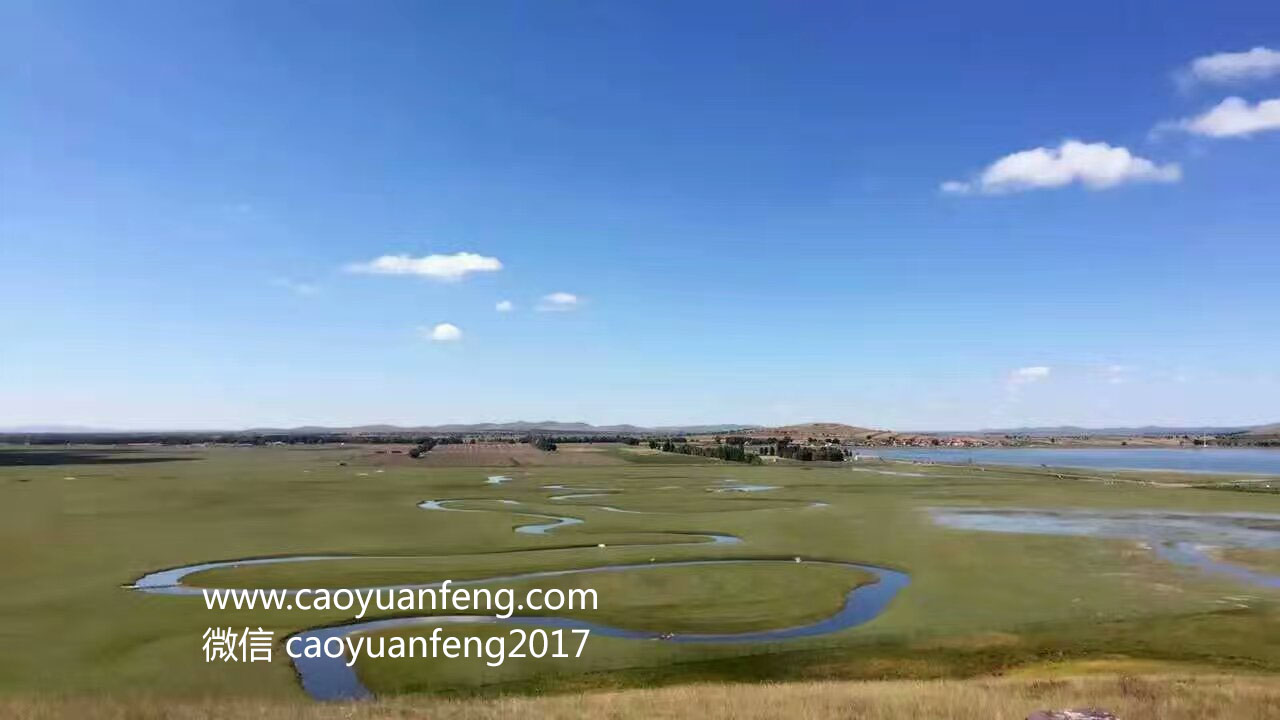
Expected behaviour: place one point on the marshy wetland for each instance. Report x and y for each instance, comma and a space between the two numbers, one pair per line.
705, 571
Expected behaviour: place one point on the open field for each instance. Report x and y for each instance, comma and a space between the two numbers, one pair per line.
490, 454
80, 524
1206, 697
1262, 560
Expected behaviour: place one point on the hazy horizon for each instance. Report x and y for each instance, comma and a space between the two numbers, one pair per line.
70, 428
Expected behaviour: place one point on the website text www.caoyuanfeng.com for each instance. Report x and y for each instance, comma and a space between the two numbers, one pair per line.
500, 603
250, 646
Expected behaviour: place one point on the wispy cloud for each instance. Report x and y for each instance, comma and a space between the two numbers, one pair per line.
296, 287
1097, 166
1028, 375
1226, 68
504, 306
442, 332
440, 267
1233, 117
1117, 374
558, 301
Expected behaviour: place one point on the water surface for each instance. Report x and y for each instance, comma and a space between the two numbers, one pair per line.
1191, 539
1249, 461
331, 679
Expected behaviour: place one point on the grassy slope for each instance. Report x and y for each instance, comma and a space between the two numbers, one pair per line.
978, 602
1130, 697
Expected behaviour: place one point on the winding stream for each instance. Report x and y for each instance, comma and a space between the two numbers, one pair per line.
1188, 539
330, 679
327, 678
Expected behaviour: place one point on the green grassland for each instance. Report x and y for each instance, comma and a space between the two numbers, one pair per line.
75, 532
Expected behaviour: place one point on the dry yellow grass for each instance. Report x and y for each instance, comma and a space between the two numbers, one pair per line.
1130, 697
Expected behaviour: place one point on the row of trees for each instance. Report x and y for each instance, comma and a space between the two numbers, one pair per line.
804, 453
729, 452
628, 439
544, 443
735, 449
425, 444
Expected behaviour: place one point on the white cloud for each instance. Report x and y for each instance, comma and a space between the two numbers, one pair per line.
504, 306
558, 301
1233, 117
1117, 374
295, 287
442, 332
1259, 63
440, 267
1028, 375
1097, 166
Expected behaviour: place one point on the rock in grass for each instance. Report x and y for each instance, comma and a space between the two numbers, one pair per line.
1084, 714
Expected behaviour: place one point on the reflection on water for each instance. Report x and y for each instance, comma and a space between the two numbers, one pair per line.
1185, 538
1256, 461
544, 528
538, 529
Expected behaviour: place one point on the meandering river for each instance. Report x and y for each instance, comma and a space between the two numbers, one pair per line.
326, 678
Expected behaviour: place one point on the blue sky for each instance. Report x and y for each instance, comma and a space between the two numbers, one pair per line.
225, 214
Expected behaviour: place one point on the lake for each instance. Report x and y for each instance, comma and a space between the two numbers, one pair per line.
1252, 461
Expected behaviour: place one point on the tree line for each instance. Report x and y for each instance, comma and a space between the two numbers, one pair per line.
735, 449
723, 451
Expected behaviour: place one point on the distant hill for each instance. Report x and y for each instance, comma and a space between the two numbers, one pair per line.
796, 431
1073, 430
520, 426
1263, 430
814, 430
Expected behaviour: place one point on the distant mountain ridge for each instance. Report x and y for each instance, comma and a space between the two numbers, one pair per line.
1264, 430
518, 426
814, 429
547, 426
1067, 430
